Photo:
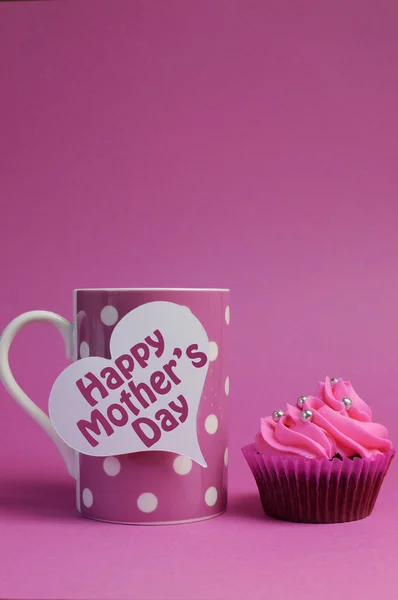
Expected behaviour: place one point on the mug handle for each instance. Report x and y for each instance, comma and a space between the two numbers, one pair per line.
66, 330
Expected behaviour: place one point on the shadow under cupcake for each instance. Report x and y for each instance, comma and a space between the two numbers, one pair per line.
322, 461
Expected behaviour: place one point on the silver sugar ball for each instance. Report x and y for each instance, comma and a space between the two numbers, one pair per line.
301, 401
277, 415
347, 402
306, 415
334, 380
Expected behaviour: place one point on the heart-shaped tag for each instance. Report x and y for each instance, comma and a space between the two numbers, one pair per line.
146, 397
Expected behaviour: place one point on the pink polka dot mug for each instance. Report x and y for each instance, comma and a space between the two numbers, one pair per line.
153, 487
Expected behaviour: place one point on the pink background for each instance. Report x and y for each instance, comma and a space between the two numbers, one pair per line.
244, 144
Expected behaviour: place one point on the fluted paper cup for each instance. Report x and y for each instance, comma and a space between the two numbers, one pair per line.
317, 490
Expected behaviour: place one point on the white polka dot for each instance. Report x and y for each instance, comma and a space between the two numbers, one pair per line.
87, 497
109, 315
111, 466
227, 315
182, 465
211, 496
147, 502
84, 350
226, 386
213, 350
226, 457
79, 317
211, 424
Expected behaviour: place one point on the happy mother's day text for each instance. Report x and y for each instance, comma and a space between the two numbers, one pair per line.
135, 397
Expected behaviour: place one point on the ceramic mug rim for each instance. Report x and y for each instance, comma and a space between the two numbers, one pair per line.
151, 290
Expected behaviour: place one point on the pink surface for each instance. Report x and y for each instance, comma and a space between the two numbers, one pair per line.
241, 144
49, 553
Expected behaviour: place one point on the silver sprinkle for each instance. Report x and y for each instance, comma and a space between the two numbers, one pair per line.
301, 401
277, 415
334, 380
347, 403
306, 415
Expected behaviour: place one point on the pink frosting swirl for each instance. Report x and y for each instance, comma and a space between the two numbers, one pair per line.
332, 395
332, 430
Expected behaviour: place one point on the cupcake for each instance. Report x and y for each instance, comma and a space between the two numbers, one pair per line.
322, 460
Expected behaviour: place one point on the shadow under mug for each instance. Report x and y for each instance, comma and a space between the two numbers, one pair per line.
145, 487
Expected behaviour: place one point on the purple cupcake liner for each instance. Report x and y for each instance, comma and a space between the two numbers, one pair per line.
317, 490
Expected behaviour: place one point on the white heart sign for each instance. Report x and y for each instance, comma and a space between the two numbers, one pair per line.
146, 397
